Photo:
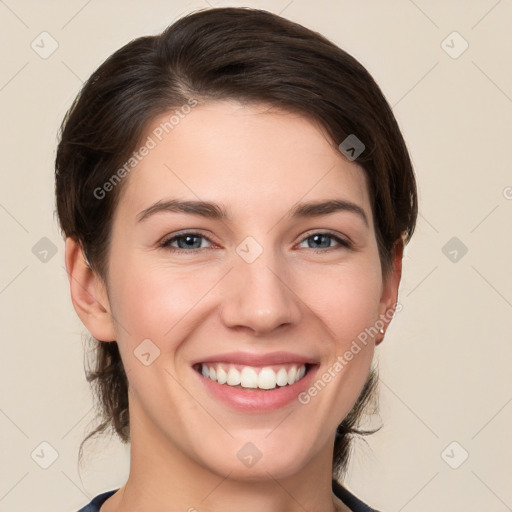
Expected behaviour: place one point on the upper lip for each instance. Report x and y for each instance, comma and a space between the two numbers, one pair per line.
251, 359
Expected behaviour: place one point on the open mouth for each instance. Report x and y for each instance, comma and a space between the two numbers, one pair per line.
254, 377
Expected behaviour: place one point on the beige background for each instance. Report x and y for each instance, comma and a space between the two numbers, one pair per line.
446, 362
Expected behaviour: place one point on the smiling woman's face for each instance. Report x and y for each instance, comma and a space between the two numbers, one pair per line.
271, 278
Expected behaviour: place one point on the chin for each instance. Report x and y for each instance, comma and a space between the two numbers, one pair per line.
252, 465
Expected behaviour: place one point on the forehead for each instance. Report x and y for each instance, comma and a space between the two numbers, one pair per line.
242, 155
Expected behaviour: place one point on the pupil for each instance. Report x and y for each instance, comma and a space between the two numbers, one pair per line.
189, 240
316, 237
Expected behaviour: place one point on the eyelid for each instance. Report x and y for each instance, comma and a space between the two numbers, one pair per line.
167, 239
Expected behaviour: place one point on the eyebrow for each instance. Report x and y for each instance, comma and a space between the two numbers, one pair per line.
217, 211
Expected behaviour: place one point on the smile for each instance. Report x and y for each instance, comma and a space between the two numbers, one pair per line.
256, 389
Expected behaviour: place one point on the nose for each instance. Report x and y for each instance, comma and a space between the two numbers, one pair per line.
259, 296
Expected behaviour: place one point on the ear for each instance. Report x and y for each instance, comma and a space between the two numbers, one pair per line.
390, 286
88, 294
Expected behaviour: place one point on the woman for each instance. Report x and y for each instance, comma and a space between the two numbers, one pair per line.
235, 195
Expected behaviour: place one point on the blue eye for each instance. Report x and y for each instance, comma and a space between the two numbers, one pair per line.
189, 241
327, 236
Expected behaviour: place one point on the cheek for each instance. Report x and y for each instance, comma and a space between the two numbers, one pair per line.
155, 300
349, 309
347, 300
150, 303
157, 304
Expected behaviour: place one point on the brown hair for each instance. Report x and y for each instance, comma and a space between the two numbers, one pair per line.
241, 54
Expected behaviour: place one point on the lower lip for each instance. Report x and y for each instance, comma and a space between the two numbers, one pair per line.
255, 400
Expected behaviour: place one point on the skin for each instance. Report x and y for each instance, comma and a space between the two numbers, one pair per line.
258, 163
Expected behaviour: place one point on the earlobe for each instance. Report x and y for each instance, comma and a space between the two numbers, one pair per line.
88, 294
389, 296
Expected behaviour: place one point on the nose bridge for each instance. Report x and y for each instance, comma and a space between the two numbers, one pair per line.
258, 296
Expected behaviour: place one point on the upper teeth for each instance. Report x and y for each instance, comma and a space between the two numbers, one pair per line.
248, 377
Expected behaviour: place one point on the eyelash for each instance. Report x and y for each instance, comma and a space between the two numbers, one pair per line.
166, 243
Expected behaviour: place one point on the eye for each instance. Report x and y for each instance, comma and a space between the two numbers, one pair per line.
186, 242
319, 237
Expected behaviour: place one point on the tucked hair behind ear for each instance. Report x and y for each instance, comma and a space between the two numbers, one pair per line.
242, 54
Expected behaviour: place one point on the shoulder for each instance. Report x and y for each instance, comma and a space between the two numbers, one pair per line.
95, 504
354, 503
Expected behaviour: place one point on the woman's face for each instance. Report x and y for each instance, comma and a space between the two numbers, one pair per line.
274, 284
